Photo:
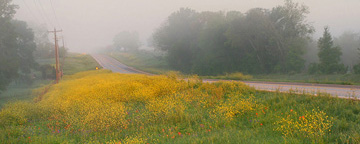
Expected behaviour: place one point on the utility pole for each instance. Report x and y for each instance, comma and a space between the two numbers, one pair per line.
63, 57
63, 41
56, 55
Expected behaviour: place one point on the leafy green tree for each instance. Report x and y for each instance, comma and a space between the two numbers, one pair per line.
127, 41
274, 40
178, 37
44, 48
25, 46
349, 43
329, 55
290, 33
16, 46
212, 56
259, 41
8, 54
356, 67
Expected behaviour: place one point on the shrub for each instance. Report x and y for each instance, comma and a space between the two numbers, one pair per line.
356, 69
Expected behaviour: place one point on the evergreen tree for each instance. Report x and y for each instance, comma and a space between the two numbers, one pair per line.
329, 55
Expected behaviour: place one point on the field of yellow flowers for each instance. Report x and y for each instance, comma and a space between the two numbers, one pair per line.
104, 107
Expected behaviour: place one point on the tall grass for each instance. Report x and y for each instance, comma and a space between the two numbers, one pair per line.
151, 62
103, 107
230, 76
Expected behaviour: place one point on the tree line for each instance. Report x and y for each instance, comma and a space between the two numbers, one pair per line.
260, 41
16, 45
20, 47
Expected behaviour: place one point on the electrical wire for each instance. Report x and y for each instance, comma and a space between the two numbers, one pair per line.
42, 11
52, 6
31, 13
41, 15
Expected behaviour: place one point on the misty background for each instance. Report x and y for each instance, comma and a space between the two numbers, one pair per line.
90, 25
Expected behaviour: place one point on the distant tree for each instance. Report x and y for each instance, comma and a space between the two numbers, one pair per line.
258, 41
272, 40
25, 46
127, 41
291, 33
356, 68
329, 55
44, 48
213, 55
349, 42
178, 37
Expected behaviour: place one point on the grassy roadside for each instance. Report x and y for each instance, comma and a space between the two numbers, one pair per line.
152, 63
73, 63
341, 79
143, 60
104, 107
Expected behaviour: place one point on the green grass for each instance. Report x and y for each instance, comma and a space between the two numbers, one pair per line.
341, 79
145, 61
20, 92
16, 92
232, 76
75, 63
194, 124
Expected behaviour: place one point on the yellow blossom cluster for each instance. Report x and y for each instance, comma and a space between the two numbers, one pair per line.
311, 125
102, 101
237, 104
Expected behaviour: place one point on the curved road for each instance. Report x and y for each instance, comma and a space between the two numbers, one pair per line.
342, 91
112, 64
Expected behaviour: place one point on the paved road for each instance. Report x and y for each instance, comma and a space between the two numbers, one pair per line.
112, 64
343, 91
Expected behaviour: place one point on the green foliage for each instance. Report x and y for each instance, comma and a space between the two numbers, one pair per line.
329, 55
16, 45
47, 71
349, 43
178, 37
356, 69
313, 68
212, 43
231, 76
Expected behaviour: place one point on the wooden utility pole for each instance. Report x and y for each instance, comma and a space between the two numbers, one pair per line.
63, 57
57, 65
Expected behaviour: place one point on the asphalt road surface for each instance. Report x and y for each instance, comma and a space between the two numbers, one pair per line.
342, 91
112, 64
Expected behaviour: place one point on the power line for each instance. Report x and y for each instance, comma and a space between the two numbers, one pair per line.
31, 13
42, 10
41, 16
52, 6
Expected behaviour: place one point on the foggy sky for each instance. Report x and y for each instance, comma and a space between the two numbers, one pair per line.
90, 24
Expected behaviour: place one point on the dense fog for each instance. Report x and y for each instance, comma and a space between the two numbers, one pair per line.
89, 25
